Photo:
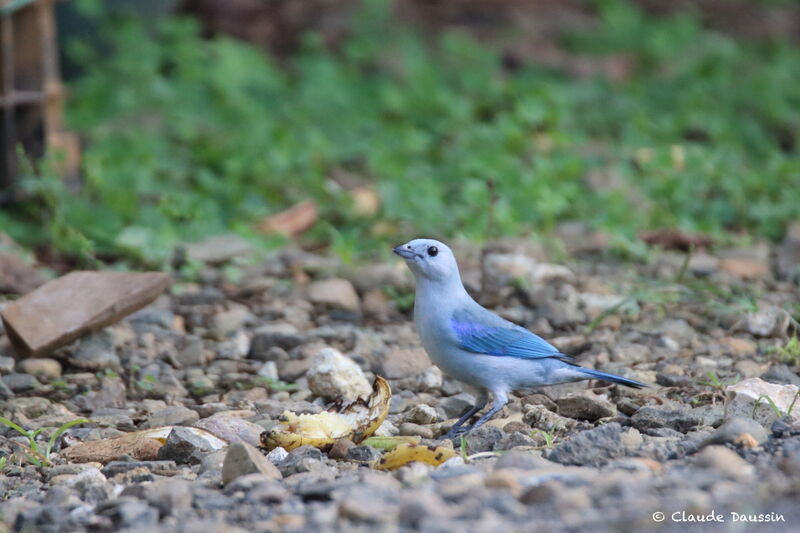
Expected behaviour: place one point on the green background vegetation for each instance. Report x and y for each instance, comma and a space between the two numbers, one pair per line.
187, 137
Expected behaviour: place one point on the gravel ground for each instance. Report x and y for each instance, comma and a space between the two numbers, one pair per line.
220, 353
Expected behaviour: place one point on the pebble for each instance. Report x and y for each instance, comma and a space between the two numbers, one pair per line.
333, 376
242, 459
726, 462
43, 367
232, 429
20, 383
335, 293
596, 447
422, 414
95, 352
185, 447
679, 419
173, 415
739, 430
586, 406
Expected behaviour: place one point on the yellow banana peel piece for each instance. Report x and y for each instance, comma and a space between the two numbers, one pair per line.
355, 420
406, 453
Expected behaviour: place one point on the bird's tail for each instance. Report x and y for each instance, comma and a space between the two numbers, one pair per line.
605, 376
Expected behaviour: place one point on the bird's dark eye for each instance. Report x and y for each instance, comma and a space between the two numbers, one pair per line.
433, 251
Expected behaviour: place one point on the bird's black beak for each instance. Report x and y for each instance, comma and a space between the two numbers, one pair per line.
405, 253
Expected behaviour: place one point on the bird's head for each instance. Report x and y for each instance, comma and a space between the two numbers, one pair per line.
429, 259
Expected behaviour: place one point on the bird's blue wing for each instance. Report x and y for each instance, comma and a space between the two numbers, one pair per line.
500, 339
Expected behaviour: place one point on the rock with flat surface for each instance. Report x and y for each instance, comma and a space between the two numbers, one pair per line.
755, 398
66, 308
232, 429
243, 459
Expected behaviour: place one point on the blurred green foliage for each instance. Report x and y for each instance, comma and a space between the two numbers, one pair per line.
188, 137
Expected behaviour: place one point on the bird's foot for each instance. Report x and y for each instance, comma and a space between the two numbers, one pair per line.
456, 433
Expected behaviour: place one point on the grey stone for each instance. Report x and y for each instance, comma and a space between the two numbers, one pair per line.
302, 459
726, 462
364, 504
735, 429
113, 468
596, 447
586, 406
362, 454
483, 439
277, 455
678, 419
232, 429
112, 393
540, 417
172, 497
243, 459
95, 352
334, 293
521, 460
184, 447
232, 320
401, 363
7, 364
172, 415
768, 321
629, 353
422, 414
193, 352
18, 383
561, 314
515, 439
213, 462
782, 375
678, 330
281, 335
455, 406
334, 376
410, 429
129, 513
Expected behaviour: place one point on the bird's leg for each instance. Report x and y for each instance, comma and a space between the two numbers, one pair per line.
499, 400
456, 429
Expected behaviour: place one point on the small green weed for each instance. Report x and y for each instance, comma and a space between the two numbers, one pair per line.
275, 384
549, 438
34, 453
790, 352
403, 300
188, 137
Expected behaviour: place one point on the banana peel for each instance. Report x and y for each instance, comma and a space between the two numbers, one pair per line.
355, 420
388, 444
405, 453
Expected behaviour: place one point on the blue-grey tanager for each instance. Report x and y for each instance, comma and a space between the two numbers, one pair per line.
476, 346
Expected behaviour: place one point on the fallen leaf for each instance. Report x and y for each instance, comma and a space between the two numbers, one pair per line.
292, 221
674, 239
